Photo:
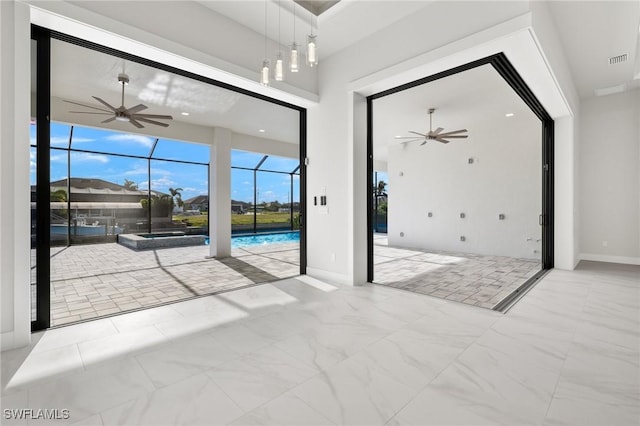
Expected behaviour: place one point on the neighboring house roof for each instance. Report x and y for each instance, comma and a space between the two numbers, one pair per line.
198, 199
98, 186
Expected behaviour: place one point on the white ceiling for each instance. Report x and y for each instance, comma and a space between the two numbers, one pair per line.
79, 73
590, 31
342, 25
593, 31
462, 101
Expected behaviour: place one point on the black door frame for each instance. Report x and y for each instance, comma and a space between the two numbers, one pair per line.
43, 38
502, 65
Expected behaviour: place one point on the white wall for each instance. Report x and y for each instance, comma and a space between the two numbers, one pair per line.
331, 142
505, 177
610, 178
566, 147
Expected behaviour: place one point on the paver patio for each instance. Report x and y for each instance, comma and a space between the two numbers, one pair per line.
89, 281
468, 278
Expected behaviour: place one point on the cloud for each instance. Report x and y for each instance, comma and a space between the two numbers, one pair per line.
139, 139
157, 184
59, 140
137, 171
85, 157
58, 158
64, 140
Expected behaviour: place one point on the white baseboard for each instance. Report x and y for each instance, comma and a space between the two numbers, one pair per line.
610, 259
330, 277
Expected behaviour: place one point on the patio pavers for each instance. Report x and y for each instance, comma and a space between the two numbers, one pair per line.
473, 279
89, 281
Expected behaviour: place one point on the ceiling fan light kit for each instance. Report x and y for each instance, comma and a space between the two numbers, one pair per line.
123, 114
434, 135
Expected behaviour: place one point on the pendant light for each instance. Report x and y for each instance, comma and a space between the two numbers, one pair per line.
312, 47
264, 73
278, 71
293, 53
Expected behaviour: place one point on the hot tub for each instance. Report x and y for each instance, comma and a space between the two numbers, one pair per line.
160, 240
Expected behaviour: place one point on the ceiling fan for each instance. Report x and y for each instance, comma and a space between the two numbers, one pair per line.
131, 115
434, 135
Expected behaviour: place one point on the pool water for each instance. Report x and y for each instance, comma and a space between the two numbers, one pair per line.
260, 239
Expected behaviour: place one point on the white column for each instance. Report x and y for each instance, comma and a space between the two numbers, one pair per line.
220, 194
15, 316
358, 190
565, 256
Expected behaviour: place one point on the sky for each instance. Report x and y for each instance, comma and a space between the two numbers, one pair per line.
192, 178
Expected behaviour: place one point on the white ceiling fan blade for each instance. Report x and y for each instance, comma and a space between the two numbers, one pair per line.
454, 136
104, 103
109, 120
424, 135
441, 140
91, 112
407, 137
145, 120
135, 109
436, 131
412, 140
86, 106
453, 132
164, 117
424, 142
135, 123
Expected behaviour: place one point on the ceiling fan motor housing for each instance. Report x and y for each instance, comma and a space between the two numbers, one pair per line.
123, 78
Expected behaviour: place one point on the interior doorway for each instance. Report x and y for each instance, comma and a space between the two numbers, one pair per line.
468, 196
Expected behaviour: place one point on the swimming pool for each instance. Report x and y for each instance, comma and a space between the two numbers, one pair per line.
260, 239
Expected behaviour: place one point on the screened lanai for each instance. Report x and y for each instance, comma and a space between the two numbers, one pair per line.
106, 185
97, 181
265, 189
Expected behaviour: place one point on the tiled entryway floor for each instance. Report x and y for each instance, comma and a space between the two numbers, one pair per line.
468, 278
90, 281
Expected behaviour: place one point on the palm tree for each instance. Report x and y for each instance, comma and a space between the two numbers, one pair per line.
381, 189
176, 194
129, 184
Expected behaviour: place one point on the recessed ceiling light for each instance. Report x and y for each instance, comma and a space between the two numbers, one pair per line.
184, 113
261, 130
509, 114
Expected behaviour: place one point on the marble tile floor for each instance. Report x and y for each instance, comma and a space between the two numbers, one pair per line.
306, 352
468, 278
90, 281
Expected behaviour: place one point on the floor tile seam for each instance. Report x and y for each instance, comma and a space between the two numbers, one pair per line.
458, 356
132, 400
574, 333
219, 386
557, 384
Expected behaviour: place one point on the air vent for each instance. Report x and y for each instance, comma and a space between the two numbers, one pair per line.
618, 59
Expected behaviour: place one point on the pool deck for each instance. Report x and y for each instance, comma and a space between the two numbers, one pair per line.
89, 281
